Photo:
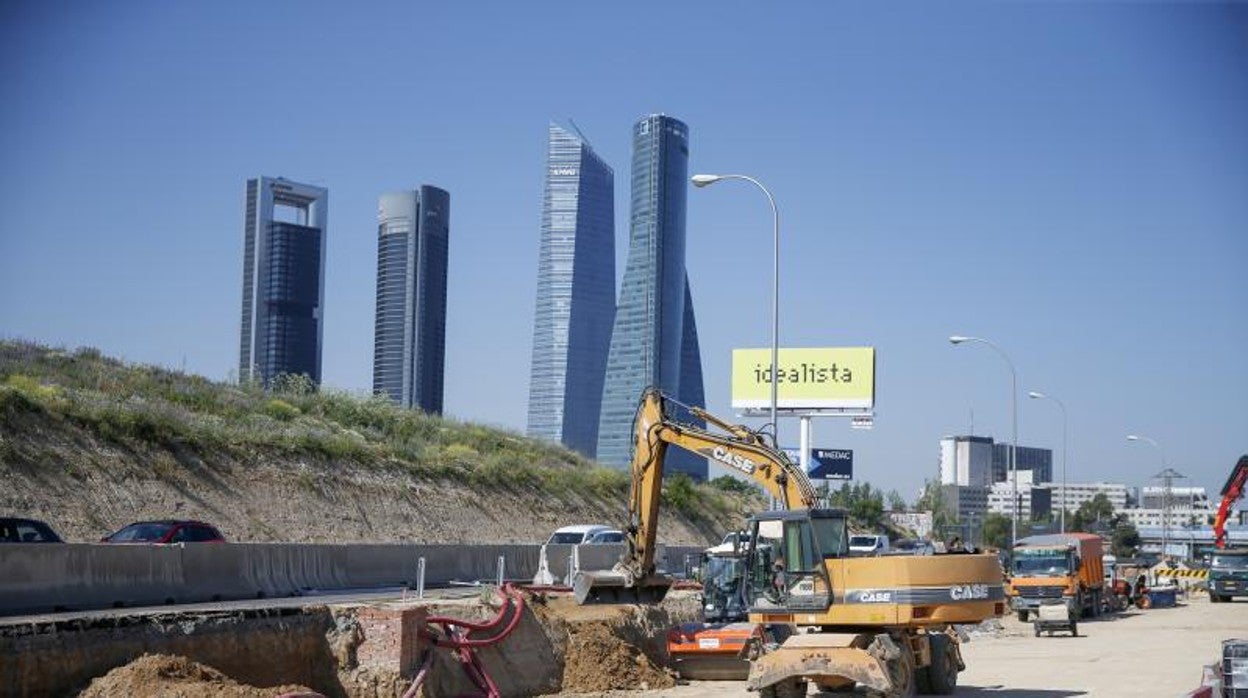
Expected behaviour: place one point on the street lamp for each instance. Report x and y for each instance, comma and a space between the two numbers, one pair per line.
1168, 476
959, 339
1041, 396
704, 180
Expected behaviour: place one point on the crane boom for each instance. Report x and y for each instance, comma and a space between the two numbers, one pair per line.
1231, 492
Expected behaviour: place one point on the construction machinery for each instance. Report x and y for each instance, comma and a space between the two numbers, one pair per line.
1061, 568
820, 615
712, 649
1231, 492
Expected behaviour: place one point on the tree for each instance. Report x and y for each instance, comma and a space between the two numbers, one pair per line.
1125, 540
728, 483
895, 501
996, 531
933, 500
1096, 513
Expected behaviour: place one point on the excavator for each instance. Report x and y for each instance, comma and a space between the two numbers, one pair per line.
820, 615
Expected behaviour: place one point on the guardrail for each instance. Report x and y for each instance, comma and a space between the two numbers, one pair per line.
40, 578
84, 576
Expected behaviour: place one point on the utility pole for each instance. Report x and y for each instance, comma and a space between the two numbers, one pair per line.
1167, 477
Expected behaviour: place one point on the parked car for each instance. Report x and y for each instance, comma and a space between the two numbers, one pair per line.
575, 535
167, 531
868, 544
15, 530
609, 536
913, 546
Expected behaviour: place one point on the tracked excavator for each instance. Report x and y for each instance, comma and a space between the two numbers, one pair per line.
819, 615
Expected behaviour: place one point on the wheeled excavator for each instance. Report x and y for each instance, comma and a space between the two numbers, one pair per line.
820, 615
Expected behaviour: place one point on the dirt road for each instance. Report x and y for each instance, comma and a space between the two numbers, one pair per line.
1140, 653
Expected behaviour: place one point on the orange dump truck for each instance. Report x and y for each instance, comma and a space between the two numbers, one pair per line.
1058, 568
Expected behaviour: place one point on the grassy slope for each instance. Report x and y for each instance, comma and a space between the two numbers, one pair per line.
90, 403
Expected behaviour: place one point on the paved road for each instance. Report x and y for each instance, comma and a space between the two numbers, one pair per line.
1141, 653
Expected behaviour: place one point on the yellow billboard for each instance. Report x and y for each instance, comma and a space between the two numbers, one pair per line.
810, 379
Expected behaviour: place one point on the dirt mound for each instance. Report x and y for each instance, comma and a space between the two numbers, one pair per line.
599, 660
167, 676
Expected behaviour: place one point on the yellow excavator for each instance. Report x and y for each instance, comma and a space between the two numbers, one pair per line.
822, 616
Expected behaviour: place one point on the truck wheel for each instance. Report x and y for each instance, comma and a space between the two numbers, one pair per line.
942, 674
901, 673
1022, 616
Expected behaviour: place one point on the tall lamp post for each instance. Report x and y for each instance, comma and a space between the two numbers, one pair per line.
1041, 396
1167, 475
704, 180
959, 339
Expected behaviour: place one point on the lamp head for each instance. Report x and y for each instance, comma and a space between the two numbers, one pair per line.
958, 339
703, 180
1132, 437
1033, 394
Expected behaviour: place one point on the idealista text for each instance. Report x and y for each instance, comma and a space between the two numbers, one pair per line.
806, 373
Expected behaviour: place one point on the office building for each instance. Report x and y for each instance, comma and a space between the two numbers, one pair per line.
1038, 460
966, 460
575, 294
409, 340
1034, 500
654, 339
968, 502
1075, 494
283, 280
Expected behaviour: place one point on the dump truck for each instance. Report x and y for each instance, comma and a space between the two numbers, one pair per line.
819, 615
1064, 568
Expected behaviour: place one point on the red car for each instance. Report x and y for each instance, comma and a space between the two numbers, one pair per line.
166, 531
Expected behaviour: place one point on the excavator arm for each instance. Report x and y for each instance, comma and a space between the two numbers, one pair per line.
1231, 493
655, 429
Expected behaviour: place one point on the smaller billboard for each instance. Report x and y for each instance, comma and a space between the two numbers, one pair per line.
826, 463
807, 379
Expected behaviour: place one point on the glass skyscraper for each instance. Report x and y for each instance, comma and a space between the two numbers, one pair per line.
409, 340
283, 280
655, 338
575, 294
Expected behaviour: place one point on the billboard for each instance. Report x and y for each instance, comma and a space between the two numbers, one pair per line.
809, 379
826, 463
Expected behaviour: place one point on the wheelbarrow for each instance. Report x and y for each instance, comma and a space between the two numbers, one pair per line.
1054, 617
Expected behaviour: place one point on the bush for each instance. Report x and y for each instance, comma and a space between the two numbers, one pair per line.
280, 410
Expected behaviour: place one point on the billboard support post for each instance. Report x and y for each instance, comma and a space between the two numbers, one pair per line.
804, 454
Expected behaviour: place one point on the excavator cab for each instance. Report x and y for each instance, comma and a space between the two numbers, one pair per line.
787, 570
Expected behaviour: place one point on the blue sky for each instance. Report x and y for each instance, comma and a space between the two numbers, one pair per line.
1069, 180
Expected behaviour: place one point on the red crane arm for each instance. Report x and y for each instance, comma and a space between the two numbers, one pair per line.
1231, 492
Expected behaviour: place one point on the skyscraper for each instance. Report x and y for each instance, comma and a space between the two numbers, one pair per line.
575, 294
409, 341
283, 280
654, 340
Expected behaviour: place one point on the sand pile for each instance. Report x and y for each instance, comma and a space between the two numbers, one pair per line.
167, 676
599, 660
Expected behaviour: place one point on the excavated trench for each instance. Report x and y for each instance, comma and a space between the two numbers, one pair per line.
343, 651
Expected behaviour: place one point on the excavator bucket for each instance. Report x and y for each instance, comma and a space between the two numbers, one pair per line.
603, 587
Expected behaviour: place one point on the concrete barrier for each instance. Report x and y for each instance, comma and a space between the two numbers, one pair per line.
41, 578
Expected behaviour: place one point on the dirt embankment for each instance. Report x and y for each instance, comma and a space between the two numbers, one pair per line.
87, 487
556, 647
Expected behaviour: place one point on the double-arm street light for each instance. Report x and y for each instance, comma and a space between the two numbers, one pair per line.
958, 339
1042, 396
1167, 476
703, 180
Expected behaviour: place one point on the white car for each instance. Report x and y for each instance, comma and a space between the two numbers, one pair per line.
868, 544
609, 536
575, 535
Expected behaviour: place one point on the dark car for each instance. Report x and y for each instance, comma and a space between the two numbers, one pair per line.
13, 530
168, 531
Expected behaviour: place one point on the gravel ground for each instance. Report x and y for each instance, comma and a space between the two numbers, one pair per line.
1158, 652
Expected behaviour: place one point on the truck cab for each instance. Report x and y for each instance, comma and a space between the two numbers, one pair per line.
1228, 575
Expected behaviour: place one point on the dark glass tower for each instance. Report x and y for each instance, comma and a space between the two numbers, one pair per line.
575, 294
655, 338
283, 280
409, 340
